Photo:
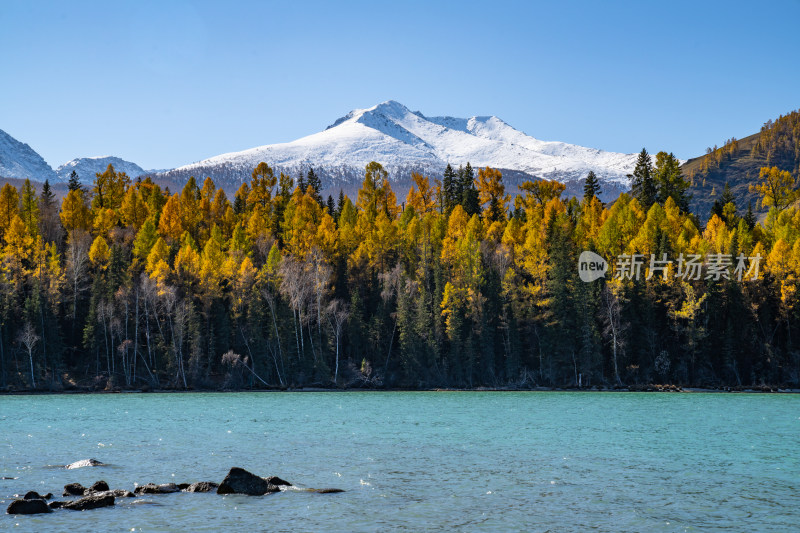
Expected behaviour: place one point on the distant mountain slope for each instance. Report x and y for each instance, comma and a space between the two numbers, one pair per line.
18, 160
404, 141
88, 167
739, 162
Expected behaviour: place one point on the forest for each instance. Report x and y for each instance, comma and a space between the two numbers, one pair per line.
462, 285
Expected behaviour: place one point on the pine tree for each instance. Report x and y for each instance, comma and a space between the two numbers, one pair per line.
49, 224
727, 195
670, 182
643, 186
30, 208
312, 180
450, 189
74, 182
750, 217
591, 189
339, 206
331, 206
469, 194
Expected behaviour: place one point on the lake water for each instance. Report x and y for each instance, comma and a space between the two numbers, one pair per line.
416, 461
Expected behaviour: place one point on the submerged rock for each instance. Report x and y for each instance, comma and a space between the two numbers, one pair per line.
325, 491
74, 489
89, 502
202, 486
117, 493
240, 481
35, 506
152, 488
84, 462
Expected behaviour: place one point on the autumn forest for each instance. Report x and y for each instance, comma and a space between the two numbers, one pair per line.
463, 284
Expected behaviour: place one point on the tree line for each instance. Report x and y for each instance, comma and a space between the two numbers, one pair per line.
461, 285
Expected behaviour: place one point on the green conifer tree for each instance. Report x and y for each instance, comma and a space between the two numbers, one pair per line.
643, 186
591, 189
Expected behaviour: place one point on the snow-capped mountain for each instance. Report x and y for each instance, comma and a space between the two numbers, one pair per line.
18, 160
404, 141
87, 167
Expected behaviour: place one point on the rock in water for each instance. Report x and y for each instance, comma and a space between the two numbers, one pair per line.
74, 489
36, 506
117, 493
33, 495
89, 502
99, 486
202, 486
240, 481
152, 488
326, 491
278, 482
85, 462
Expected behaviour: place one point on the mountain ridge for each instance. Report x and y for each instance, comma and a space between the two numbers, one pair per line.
405, 141
87, 167
19, 160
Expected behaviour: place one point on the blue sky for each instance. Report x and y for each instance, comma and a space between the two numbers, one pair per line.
171, 82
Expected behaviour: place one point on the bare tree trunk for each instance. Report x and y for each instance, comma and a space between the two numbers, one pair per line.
33, 376
311, 341
389, 353
136, 334
336, 371
277, 335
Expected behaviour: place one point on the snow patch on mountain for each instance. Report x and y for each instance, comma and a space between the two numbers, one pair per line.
18, 160
88, 167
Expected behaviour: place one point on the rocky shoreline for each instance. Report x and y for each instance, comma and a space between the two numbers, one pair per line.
237, 481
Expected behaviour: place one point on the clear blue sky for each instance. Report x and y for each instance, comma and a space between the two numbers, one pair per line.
171, 82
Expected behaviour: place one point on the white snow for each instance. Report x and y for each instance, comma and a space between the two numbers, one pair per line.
396, 137
88, 167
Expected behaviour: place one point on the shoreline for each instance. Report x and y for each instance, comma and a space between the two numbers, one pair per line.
631, 389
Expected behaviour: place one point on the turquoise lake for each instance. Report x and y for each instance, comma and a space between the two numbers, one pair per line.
415, 461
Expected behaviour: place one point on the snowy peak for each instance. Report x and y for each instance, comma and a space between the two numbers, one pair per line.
88, 167
406, 141
18, 160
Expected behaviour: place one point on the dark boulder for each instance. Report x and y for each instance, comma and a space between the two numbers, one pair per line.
74, 489
240, 481
33, 495
202, 486
152, 488
85, 462
89, 502
56, 505
278, 482
35, 506
184, 486
99, 486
